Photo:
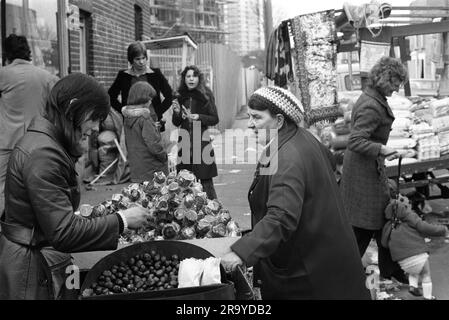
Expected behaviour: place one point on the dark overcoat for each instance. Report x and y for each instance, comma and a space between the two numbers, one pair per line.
301, 244
364, 182
194, 138
39, 227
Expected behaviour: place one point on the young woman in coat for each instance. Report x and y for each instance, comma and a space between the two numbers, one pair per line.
194, 111
301, 245
39, 227
146, 154
364, 183
140, 71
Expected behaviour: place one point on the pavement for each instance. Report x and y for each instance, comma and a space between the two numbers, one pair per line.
232, 185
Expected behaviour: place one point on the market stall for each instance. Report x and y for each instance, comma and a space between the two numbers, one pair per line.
302, 56
183, 224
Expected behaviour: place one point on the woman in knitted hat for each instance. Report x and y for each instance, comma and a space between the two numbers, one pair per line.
301, 244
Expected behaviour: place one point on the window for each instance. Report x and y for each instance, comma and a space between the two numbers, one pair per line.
138, 15
35, 19
356, 82
84, 42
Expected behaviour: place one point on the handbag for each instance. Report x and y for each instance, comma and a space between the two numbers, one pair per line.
57, 264
392, 223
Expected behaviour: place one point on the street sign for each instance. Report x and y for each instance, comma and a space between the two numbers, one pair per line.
73, 18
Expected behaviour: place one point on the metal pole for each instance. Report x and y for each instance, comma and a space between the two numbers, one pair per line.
268, 20
443, 89
350, 70
3, 31
63, 37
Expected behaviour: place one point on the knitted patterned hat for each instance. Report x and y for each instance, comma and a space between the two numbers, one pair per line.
280, 101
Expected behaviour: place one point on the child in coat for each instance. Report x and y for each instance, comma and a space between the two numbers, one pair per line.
146, 154
404, 234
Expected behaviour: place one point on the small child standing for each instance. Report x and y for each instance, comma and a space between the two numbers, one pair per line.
405, 234
146, 154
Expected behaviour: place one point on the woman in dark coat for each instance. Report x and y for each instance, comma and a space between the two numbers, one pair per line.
140, 71
146, 154
364, 182
194, 111
301, 244
39, 227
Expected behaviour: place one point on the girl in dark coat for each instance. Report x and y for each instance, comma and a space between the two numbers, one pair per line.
301, 244
364, 182
146, 154
139, 71
39, 227
194, 111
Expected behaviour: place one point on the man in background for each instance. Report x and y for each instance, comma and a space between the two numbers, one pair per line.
24, 89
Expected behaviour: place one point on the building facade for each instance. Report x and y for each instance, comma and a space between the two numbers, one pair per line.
77, 35
244, 24
202, 19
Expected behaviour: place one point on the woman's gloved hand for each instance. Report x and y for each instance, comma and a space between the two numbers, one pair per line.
230, 261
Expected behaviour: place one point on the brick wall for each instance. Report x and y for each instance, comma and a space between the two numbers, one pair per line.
111, 28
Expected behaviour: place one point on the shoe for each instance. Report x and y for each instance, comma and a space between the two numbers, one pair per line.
415, 291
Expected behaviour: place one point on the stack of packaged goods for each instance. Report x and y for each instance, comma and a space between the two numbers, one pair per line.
427, 142
440, 123
443, 138
340, 138
341, 128
400, 136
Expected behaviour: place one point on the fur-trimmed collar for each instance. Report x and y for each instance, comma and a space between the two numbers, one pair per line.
136, 112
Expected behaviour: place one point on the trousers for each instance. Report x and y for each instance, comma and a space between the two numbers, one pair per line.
208, 187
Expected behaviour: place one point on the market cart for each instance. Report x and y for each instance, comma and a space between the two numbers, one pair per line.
433, 172
182, 223
235, 286
398, 27
362, 34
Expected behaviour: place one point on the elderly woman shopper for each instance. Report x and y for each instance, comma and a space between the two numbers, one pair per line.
364, 183
194, 111
301, 244
39, 228
140, 71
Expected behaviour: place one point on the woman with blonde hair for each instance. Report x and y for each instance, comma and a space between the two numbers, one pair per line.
364, 183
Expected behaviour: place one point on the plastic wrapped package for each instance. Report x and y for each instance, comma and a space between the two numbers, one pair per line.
160, 178
401, 143
440, 124
170, 231
190, 273
429, 148
188, 233
398, 102
211, 272
233, 229
439, 108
